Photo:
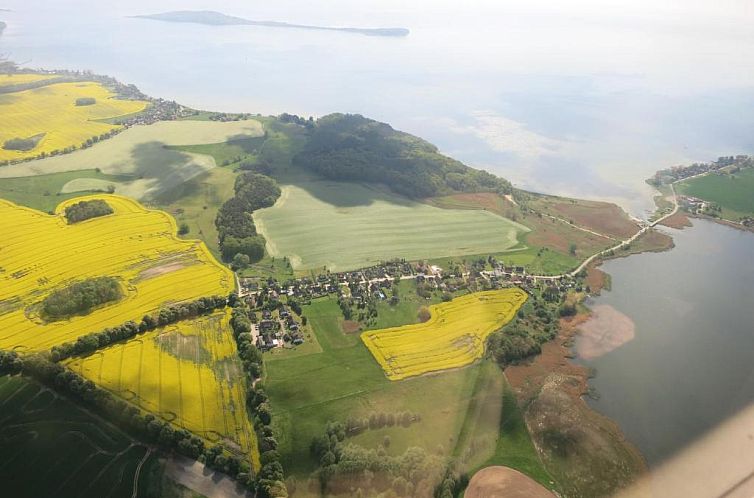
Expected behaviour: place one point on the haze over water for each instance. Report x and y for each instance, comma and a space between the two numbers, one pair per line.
587, 100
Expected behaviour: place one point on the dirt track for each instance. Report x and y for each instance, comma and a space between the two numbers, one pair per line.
498, 481
197, 477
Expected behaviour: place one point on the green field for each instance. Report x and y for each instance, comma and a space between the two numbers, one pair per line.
50, 447
494, 431
537, 260
733, 192
225, 153
345, 226
45, 192
343, 381
141, 153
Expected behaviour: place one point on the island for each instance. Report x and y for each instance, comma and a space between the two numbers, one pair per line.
212, 18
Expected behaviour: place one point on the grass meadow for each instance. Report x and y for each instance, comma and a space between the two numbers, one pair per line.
344, 380
345, 226
553, 245
733, 192
45, 192
50, 447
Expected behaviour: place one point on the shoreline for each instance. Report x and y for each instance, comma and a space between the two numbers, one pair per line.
552, 388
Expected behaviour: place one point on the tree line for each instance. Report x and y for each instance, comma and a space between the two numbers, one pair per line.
270, 481
239, 241
145, 427
350, 147
267, 483
166, 316
345, 467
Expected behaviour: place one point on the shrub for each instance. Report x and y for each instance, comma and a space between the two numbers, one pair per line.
80, 298
85, 210
23, 144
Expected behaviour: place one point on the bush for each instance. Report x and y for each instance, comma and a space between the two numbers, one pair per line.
85, 210
22, 144
80, 298
86, 101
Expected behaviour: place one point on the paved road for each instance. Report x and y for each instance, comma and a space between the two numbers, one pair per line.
621, 244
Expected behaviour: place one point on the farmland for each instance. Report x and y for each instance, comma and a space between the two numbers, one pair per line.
53, 448
140, 157
45, 192
453, 337
562, 233
313, 221
343, 381
20, 79
51, 112
40, 253
733, 192
187, 373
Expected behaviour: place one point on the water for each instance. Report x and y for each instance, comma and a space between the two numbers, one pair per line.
689, 366
587, 100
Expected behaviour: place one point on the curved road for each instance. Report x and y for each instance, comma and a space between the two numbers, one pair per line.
621, 244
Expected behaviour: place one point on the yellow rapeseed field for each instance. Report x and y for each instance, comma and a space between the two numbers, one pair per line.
188, 373
51, 110
453, 337
40, 253
18, 79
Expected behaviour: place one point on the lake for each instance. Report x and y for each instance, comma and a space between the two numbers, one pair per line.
689, 365
580, 99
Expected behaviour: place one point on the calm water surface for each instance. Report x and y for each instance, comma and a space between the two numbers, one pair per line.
582, 98
691, 363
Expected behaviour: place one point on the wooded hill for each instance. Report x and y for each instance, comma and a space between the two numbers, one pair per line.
350, 147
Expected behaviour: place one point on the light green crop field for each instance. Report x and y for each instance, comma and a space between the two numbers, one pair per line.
345, 226
142, 152
732, 192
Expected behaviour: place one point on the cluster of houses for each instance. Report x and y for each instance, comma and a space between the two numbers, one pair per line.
376, 281
365, 280
691, 204
279, 327
272, 332
680, 172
